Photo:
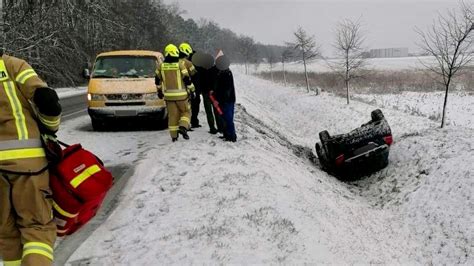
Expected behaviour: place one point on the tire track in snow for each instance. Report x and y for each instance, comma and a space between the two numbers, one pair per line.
259, 126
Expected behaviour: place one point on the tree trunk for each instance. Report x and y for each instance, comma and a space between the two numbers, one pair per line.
306, 73
347, 75
347, 90
271, 72
445, 103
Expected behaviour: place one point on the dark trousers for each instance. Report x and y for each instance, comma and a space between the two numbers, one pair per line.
229, 127
213, 119
195, 105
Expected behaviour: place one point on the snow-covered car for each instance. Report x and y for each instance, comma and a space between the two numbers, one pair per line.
360, 152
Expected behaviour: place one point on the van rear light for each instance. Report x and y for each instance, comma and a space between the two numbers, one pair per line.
340, 159
388, 140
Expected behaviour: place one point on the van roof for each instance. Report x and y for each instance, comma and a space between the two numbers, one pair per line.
132, 52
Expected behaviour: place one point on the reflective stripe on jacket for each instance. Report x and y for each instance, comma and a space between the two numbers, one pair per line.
19, 133
172, 84
189, 66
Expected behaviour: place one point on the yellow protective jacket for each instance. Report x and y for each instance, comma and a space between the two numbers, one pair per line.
175, 81
20, 141
189, 66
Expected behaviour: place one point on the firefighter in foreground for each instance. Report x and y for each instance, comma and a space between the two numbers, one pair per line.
29, 110
174, 85
185, 56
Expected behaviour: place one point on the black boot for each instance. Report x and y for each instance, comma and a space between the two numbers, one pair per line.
174, 139
184, 132
213, 131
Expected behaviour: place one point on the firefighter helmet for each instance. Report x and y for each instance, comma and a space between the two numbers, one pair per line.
171, 50
186, 49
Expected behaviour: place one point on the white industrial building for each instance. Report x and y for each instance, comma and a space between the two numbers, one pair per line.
389, 52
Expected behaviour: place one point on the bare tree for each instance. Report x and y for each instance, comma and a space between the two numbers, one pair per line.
450, 41
248, 50
308, 48
271, 58
349, 47
285, 56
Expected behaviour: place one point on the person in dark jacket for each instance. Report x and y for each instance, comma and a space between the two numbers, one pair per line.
225, 95
215, 121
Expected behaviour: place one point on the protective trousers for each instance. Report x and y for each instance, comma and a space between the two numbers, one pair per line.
27, 230
213, 118
179, 115
195, 104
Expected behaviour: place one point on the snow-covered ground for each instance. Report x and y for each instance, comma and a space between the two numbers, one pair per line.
70, 92
460, 108
401, 63
116, 148
263, 200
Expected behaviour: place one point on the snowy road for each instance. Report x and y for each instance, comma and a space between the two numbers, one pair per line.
119, 149
262, 200
73, 101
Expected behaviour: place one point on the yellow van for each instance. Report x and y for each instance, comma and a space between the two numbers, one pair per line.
122, 85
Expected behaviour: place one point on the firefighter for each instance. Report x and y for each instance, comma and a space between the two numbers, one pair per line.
175, 86
29, 110
185, 56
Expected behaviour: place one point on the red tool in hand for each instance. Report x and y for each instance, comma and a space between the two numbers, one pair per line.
215, 103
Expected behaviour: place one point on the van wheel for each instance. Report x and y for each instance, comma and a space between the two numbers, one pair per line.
163, 123
97, 125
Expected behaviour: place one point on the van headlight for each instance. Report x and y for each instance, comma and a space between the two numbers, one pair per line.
96, 97
150, 96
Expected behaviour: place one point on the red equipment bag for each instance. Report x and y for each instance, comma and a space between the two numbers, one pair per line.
79, 183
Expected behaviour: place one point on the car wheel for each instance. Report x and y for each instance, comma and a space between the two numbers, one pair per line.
318, 150
97, 125
325, 144
321, 156
377, 115
324, 137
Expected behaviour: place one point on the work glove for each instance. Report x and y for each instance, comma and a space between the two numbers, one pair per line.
53, 150
160, 95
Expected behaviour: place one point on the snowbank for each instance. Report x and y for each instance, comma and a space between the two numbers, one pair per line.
260, 200
70, 92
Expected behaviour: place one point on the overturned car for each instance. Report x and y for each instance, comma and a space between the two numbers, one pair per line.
360, 152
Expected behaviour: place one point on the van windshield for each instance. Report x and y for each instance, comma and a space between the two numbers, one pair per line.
124, 66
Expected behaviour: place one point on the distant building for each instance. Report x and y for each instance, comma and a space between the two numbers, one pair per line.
389, 52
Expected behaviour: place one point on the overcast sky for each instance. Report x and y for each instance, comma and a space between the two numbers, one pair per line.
388, 23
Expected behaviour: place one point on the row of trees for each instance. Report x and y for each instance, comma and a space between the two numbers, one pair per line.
450, 40
59, 36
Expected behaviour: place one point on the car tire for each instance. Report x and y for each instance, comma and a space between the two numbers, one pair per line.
319, 151
321, 157
377, 115
324, 137
325, 144
97, 125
